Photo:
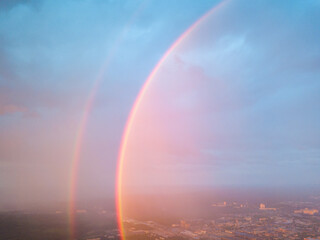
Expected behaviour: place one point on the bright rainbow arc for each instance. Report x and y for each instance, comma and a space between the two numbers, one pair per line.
134, 110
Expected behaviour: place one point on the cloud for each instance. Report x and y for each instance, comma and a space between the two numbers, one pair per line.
244, 87
6, 5
10, 109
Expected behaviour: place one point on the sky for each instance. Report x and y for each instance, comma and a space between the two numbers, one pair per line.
236, 103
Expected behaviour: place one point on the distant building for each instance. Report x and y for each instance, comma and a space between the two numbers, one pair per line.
184, 224
307, 211
263, 207
224, 204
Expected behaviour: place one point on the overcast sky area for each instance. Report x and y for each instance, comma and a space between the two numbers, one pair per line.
237, 103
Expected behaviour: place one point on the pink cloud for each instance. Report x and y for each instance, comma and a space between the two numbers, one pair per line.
12, 108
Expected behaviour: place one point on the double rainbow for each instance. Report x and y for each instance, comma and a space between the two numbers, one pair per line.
127, 129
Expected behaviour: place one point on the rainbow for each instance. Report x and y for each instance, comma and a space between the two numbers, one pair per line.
84, 120
134, 111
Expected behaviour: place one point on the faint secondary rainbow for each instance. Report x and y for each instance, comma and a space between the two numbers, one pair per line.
133, 113
76, 159
84, 120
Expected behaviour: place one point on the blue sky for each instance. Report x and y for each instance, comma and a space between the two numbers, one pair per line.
260, 61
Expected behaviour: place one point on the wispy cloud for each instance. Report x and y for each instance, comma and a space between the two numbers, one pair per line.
9, 109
